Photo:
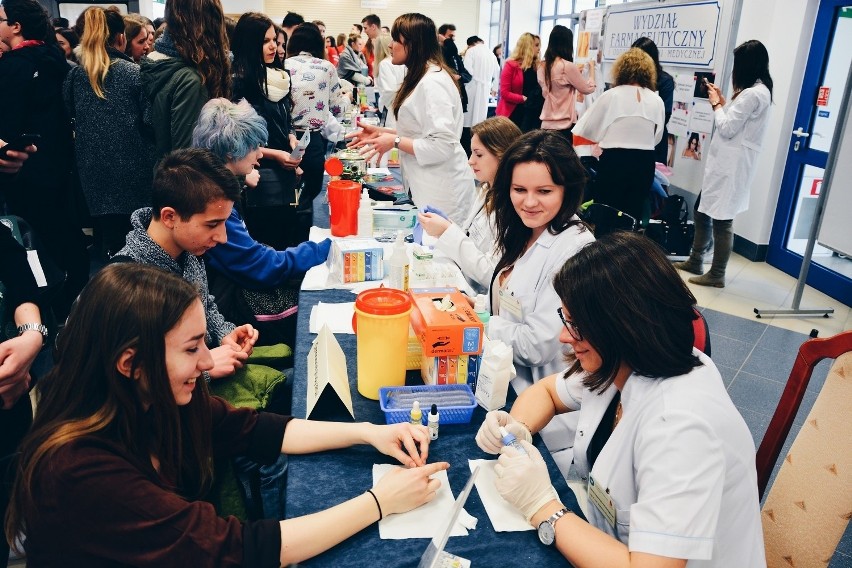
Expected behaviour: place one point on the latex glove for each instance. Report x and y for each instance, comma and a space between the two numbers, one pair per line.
435, 210
489, 439
433, 224
523, 480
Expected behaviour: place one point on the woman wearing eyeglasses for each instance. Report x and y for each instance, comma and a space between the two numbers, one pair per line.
667, 459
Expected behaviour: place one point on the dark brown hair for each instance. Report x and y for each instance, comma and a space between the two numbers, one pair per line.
197, 28
190, 178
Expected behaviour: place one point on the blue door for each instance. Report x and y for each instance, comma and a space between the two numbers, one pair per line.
810, 141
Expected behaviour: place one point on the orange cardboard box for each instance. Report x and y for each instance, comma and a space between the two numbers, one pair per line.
444, 322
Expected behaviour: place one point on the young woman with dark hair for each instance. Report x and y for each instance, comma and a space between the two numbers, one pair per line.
136, 32
537, 191
561, 79
67, 40
627, 123
261, 79
115, 158
429, 120
740, 128
331, 50
665, 88
127, 430
189, 66
668, 459
316, 97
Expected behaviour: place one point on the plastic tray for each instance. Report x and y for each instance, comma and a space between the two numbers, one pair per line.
458, 411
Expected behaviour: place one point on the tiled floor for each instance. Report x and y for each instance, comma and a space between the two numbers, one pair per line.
755, 355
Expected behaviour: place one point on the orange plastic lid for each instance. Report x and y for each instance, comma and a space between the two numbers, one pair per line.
383, 302
333, 167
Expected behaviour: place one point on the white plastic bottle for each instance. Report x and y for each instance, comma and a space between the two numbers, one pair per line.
398, 265
365, 215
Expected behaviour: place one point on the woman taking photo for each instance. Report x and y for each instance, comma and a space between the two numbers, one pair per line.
428, 114
627, 123
115, 160
537, 191
668, 458
561, 79
260, 78
188, 67
127, 430
471, 245
512, 97
740, 126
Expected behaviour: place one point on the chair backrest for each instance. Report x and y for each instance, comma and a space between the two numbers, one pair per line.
810, 353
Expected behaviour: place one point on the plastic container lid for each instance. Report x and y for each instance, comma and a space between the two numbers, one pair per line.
383, 302
333, 166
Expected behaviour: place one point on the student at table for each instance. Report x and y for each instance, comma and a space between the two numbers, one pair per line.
428, 113
668, 458
471, 244
126, 434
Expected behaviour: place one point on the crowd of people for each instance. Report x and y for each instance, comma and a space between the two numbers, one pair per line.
173, 140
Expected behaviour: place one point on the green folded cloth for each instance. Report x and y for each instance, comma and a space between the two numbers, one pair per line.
252, 386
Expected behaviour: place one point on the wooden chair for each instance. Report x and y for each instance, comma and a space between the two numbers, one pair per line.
810, 504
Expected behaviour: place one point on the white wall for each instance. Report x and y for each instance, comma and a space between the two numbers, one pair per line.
785, 27
524, 17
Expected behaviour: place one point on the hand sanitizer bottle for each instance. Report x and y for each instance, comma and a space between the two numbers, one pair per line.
365, 215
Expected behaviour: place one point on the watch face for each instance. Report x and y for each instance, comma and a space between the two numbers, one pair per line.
546, 533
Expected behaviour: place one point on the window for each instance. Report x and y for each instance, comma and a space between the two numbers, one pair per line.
494, 23
561, 12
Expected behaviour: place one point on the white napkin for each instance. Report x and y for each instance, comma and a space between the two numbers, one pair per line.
504, 517
427, 520
338, 317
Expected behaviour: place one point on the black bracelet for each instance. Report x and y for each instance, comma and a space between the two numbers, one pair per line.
376, 499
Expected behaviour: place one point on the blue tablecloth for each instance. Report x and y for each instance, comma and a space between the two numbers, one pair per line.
319, 481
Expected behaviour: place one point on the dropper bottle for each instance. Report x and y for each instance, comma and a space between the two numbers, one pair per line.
510, 440
433, 421
416, 415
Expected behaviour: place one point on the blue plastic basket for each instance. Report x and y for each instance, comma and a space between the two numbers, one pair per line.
455, 402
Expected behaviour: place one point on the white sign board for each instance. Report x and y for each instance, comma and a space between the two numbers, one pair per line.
685, 34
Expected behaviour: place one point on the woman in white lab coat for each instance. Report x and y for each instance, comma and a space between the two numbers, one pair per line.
388, 77
428, 114
668, 458
472, 244
740, 126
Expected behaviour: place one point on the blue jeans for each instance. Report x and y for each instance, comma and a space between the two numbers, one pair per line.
264, 486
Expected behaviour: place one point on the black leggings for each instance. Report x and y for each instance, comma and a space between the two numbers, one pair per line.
624, 179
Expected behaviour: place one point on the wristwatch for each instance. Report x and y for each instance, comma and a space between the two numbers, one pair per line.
547, 529
396, 142
34, 327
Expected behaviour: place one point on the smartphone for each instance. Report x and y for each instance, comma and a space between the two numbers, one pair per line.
20, 143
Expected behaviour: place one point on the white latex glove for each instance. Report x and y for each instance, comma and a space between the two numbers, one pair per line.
523, 480
489, 439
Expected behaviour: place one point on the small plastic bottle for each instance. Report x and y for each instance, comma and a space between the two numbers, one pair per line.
416, 415
433, 422
482, 312
365, 215
510, 440
398, 265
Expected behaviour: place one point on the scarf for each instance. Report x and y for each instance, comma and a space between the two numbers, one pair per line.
351, 63
277, 84
165, 45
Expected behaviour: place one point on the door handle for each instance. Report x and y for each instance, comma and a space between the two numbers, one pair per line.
799, 133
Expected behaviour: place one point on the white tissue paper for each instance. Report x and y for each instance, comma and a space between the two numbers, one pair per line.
427, 520
338, 317
503, 516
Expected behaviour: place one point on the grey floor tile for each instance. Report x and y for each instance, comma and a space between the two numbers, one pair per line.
840, 560
819, 375
773, 365
756, 423
845, 546
783, 340
755, 393
729, 352
733, 327
728, 374
807, 403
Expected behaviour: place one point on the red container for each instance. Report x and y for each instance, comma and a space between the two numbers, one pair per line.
343, 198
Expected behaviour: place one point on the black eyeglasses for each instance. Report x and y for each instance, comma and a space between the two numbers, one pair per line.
572, 328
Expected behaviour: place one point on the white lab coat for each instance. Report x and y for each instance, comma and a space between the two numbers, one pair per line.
388, 81
740, 127
437, 173
679, 467
472, 244
483, 67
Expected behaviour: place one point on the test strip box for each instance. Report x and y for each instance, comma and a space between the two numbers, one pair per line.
450, 370
444, 322
356, 260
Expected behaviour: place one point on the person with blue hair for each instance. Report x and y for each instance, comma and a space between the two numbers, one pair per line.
248, 278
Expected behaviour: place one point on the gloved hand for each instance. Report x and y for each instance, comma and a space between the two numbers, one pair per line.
523, 480
435, 210
489, 439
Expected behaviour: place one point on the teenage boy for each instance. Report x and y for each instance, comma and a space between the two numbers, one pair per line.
192, 197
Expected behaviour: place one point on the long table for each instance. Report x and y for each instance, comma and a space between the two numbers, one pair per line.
319, 481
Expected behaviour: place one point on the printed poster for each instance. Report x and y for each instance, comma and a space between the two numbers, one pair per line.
701, 117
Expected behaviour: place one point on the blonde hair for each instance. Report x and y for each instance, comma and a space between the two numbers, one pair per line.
382, 47
524, 52
635, 67
97, 33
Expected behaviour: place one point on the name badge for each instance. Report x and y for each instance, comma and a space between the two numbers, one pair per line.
510, 304
599, 495
475, 231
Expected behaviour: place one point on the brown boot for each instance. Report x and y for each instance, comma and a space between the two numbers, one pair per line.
723, 242
709, 280
692, 264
